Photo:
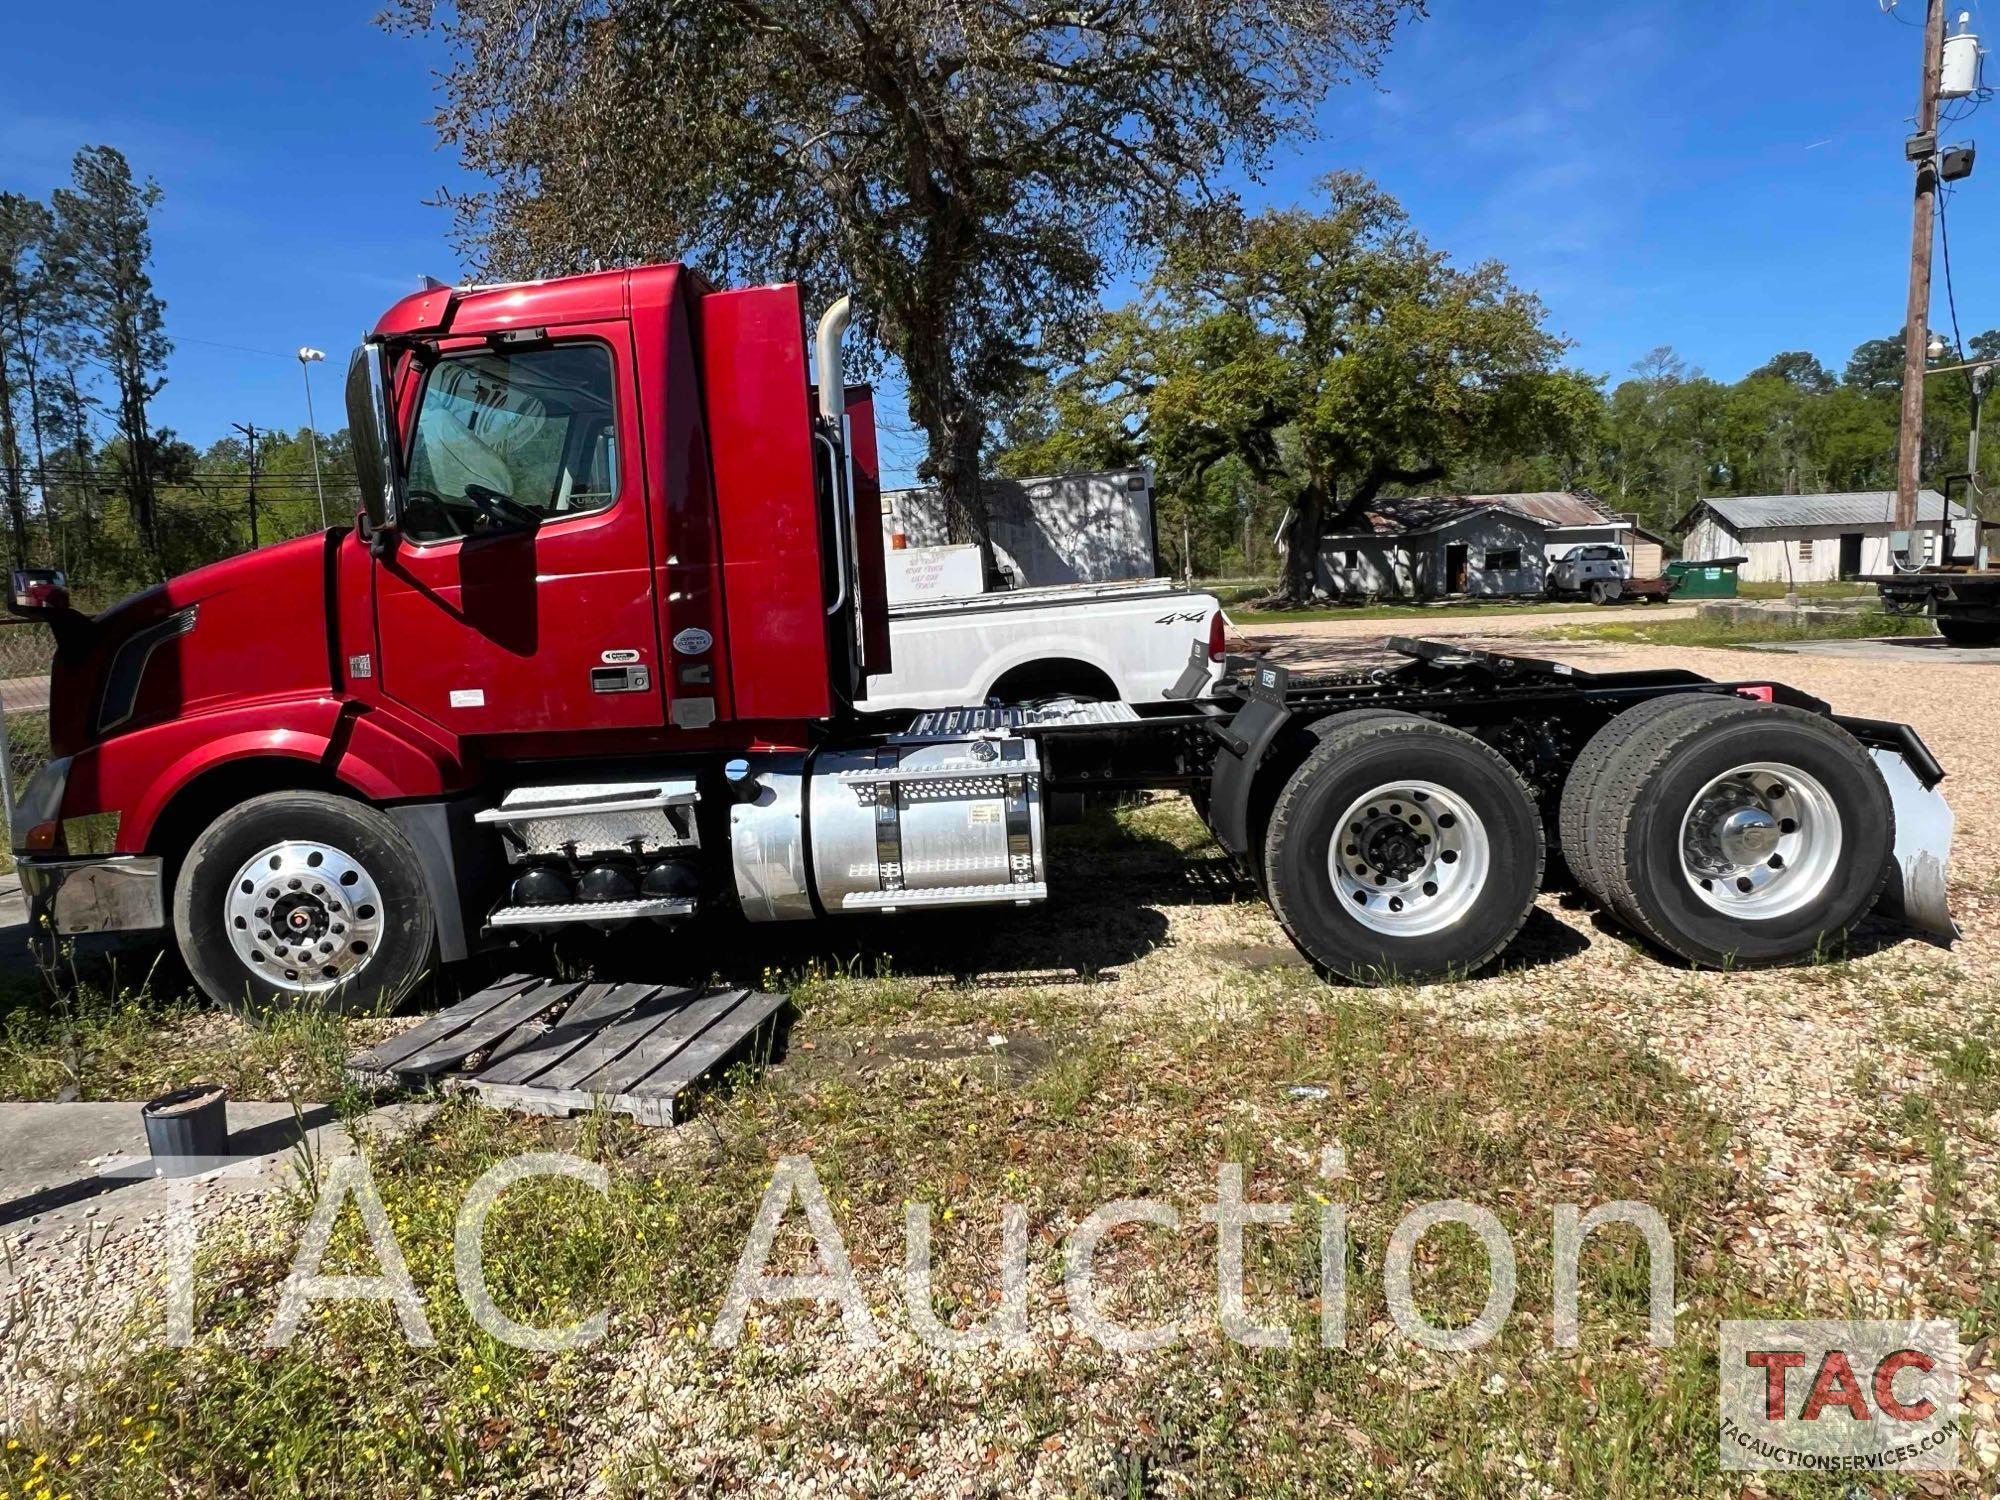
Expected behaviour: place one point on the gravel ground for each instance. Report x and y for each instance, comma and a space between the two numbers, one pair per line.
75, 1279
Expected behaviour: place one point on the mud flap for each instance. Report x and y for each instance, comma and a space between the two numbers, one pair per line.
1916, 890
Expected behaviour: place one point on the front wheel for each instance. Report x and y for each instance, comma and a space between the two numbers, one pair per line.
1402, 849
302, 899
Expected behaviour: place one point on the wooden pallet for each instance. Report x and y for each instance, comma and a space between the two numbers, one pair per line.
554, 1047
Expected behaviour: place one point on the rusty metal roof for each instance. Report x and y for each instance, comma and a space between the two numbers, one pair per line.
1406, 515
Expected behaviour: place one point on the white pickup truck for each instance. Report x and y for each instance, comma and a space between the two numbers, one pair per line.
1126, 641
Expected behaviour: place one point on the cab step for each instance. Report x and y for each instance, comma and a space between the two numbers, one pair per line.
558, 914
582, 819
1020, 892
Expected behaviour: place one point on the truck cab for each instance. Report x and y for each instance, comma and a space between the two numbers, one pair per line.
608, 549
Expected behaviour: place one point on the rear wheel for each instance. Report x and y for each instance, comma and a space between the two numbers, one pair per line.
1734, 833
1969, 632
302, 899
1402, 848
1582, 787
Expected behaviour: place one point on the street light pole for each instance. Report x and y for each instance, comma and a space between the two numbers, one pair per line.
308, 357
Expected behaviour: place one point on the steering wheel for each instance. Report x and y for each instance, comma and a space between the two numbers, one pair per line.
494, 506
436, 502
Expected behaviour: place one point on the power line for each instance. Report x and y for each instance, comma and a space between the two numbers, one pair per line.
1950, 297
96, 475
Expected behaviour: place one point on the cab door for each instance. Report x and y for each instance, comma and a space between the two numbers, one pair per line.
517, 595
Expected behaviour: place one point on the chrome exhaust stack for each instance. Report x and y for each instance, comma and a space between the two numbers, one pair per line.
826, 347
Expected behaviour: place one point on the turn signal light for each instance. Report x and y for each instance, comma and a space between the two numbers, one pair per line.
44, 838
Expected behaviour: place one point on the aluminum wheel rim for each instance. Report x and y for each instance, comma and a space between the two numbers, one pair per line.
1409, 858
304, 916
1761, 840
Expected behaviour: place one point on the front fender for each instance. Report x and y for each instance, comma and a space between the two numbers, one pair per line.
138, 775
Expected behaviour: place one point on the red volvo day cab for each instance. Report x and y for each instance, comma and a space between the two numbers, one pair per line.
591, 655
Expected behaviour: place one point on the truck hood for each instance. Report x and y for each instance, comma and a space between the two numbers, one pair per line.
250, 626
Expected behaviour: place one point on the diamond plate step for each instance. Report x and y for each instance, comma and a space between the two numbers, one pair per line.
950, 723
1019, 892
592, 911
588, 799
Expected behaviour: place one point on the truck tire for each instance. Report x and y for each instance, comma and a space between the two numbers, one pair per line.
304, 900
1582, 787
1735, 833
1605, 591
1402, 849
1969, 632
1285, 756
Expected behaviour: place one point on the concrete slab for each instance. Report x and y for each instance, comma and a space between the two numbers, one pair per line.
47, 1151
1902, 650
67, 1164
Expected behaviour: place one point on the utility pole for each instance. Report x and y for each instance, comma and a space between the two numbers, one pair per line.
250, 436
1921, 149
308, 357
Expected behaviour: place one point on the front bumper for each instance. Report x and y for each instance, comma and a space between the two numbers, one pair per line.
105, 893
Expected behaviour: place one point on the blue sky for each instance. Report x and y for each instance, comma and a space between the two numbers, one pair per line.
1725, 178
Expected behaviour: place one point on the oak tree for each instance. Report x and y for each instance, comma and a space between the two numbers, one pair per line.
970, 169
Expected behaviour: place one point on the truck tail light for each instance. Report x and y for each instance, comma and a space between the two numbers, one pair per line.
1761, 693
1217, 646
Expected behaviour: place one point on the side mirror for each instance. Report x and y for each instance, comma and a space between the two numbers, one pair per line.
371, 426
38, 591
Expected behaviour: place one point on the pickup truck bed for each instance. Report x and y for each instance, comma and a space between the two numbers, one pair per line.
1127, 640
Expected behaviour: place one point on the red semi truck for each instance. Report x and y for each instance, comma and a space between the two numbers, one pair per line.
592, 651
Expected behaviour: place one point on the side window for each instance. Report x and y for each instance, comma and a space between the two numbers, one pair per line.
534, 427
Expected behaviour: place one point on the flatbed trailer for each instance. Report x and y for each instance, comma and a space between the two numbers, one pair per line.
1965, 602
596, 654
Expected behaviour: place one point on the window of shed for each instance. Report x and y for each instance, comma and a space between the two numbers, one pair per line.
1805, 549
1503, 559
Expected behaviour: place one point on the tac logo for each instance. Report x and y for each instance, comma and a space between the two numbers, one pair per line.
1834, 1395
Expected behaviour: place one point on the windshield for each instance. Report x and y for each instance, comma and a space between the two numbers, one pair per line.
533, 427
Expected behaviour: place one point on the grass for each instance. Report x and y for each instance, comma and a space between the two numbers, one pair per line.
1142, 1078
130, 1026
1702, 631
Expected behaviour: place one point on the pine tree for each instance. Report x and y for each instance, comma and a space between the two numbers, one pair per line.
105, 243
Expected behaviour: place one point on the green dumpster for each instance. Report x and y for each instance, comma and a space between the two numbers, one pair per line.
1706, 578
